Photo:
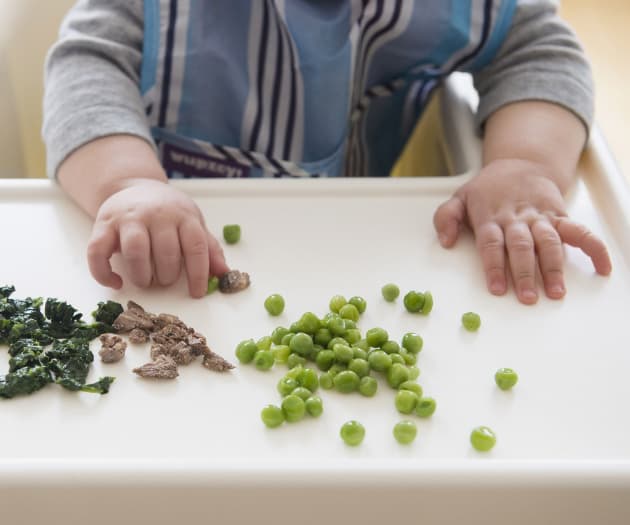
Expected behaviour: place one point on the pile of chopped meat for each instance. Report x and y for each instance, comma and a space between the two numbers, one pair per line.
173, 343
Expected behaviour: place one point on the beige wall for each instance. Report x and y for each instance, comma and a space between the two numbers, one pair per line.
27, 29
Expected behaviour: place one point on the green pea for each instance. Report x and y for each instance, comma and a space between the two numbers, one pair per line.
264, 343
349, 311
505, 378
263, 360
405, 432
326, 381
412, 386
414, 372
346, 381
391, 347
296, 371
427, 306
343, 353
322, 337
337, 326
336, 341
295, 327
349, 324
352, 433
309, 323
272, 416
301, 392
293, 408
314, 406
274, 304
405, 401
281, 353
232, 233
483, 439
359, 367
308, 379
362, 344
336, 302
379, 361
397, 374
414, 301
286, 339
325, 359
352, 336
213, 285
359, 303
397, 358
286, 385
412, 342
425, 407
278, 333
295, 360
376, 336
368, 386
336, 368
409, 358
246, 350
359, 353
471, 321
302, 344
390, 292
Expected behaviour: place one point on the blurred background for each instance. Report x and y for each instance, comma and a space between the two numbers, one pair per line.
29, 27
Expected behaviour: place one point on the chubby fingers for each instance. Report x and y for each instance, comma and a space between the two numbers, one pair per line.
491, 246
135, 247
167, 253
101, 247
448, 220
520, 248
194, 244
579, 236
550, 257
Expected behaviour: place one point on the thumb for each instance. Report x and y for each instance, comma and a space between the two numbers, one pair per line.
448, 220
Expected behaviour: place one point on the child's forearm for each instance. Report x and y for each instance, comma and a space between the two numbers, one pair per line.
104, 166
541, 133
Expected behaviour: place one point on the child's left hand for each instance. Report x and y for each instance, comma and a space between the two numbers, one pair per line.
518, 216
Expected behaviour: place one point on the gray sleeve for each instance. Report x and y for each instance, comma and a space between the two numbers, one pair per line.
92, 78
541, 59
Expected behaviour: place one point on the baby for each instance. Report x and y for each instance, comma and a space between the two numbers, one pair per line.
141, 91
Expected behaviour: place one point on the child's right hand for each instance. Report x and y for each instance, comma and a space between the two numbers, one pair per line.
158, 230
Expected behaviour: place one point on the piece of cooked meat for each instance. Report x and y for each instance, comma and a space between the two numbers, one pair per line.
139, 336
233, 281
164, 367
112, 348
133, 317
215, 362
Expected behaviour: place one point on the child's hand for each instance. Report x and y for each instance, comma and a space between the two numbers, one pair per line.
518, 217
157, 229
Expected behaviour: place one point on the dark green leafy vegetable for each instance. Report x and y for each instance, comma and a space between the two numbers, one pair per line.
29, 333
107, 312
99, 387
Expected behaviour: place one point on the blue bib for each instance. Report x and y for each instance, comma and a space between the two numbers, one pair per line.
252, 88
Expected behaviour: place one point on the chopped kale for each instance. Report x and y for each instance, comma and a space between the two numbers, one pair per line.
63, 317
29, 333
24, 381
107, 312
99, 387
70, 361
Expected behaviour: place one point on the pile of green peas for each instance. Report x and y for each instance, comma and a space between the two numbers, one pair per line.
347, 360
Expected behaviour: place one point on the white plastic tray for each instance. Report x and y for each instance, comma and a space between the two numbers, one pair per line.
156, 451
195, 451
